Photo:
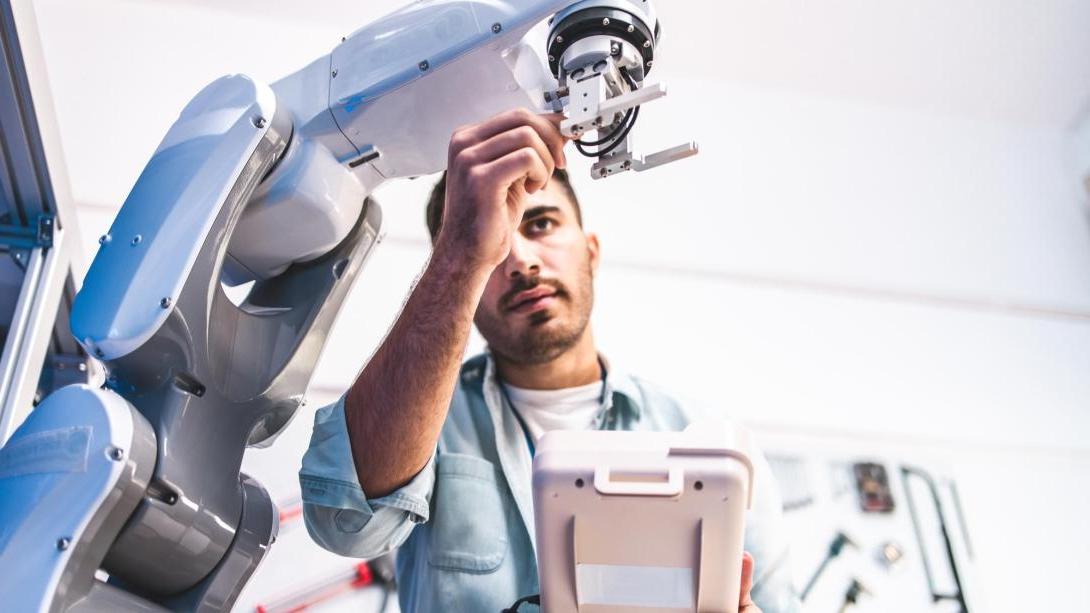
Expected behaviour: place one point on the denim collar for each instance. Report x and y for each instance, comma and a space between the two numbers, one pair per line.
622, 404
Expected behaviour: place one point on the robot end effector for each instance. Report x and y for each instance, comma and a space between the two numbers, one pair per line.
389, 118
601, 52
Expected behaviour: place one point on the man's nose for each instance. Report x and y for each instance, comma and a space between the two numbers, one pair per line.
523, 259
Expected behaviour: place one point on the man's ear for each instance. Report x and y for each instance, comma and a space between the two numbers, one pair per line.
593, 250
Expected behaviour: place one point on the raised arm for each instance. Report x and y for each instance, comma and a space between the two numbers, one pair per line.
396, 407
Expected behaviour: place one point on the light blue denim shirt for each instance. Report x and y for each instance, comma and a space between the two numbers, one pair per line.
465, 523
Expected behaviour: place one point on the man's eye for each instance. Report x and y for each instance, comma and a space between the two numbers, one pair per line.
540, 225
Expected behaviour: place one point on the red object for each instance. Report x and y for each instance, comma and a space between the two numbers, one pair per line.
364, 576
291, 513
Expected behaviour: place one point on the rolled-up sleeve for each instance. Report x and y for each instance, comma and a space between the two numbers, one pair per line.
337, 512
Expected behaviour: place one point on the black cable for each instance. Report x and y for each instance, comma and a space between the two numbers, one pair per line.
608, 137
618, 135
814, 577
616, 143
535, 599
386, 591
851, 597
611, 137
838, 544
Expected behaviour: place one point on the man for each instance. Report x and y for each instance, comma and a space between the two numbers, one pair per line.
436, 459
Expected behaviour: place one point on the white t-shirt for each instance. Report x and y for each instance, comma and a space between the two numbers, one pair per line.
570, 408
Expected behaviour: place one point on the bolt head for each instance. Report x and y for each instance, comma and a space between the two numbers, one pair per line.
166, 302
497, 28
559, 39
260, 122
605, 21
631, 28
117, 454
423, 65
334, 74
63, 543
105, 238
646, 44
552, 59
136, 240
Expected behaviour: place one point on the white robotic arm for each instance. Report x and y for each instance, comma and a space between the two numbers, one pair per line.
270, 185
384, 103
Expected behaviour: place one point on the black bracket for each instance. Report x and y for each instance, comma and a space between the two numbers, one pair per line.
29, 237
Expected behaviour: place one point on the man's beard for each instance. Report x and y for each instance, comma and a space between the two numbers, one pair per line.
536, 343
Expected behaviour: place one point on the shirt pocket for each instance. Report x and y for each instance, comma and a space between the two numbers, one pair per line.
469, 521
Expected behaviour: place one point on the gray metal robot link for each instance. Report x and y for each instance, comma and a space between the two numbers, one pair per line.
129, 497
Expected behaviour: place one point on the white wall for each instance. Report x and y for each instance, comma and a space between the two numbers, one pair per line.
884, 235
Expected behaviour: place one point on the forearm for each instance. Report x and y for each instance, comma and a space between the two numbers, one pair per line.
396, 408
397, 405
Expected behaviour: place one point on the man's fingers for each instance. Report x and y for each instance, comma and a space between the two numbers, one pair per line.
547, 127
744, 599
521, 163
557, 143
513, 140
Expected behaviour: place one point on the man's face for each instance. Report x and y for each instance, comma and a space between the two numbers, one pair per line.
537, 303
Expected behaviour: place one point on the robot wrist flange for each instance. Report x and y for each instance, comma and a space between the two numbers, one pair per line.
601, 21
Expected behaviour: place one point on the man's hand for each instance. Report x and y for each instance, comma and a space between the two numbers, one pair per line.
491, 167
395, 409
745, 602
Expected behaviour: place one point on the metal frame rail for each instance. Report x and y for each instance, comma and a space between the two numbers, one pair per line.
39, 236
